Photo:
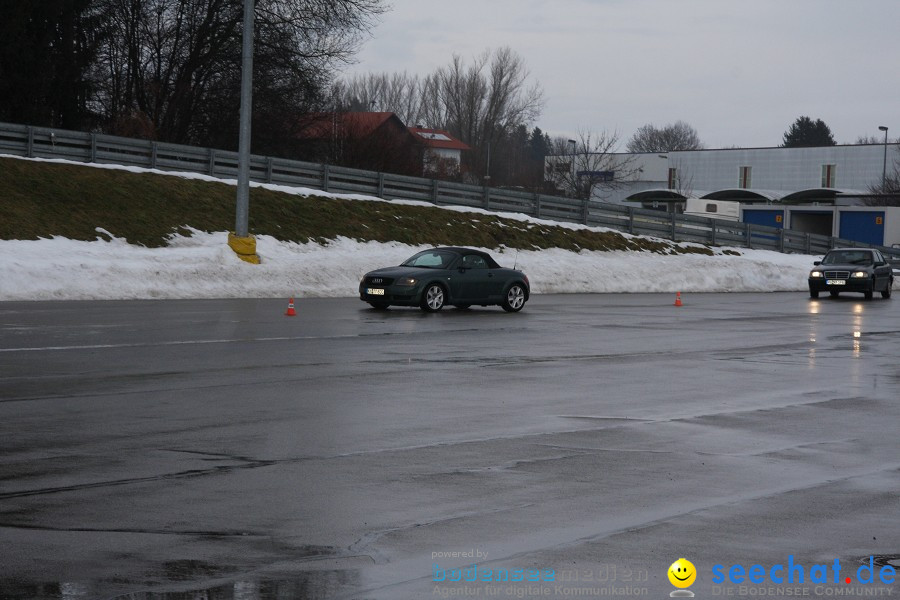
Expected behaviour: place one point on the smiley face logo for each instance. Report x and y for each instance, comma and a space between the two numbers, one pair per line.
682, 573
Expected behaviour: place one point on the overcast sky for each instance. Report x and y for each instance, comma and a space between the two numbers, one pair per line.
740, 72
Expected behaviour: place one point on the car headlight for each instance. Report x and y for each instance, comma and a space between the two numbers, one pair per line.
815, 273
859, 274
406, 281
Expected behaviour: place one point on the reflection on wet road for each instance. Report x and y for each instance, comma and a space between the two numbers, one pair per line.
216, 449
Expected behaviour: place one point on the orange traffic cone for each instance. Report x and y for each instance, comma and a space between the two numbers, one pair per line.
677, 298
290, 311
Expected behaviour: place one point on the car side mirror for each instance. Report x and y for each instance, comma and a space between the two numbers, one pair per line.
817, 263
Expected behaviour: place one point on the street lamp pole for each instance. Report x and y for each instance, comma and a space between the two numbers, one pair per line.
884, 165
241, 241
572, 154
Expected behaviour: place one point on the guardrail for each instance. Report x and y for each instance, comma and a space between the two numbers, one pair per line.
42, 142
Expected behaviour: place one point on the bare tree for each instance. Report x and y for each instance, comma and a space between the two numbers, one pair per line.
887, 192
399, 93
175, 64
873, 140
484, 103
681, 180
481, 103
576, 167
671, 138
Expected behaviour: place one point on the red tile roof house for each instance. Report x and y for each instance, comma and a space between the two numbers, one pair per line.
380, 141
442, 153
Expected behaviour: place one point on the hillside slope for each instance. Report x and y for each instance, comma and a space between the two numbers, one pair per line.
43, 199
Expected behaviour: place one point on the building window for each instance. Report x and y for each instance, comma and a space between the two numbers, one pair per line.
673, 178
744, 177
828, 175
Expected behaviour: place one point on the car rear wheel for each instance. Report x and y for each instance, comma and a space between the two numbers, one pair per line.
515, 298
813, 293
887, 291
868, 294
433, 298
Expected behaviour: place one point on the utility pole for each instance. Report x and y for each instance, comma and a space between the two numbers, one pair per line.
241, 241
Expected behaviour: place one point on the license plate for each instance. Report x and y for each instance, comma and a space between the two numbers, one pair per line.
835, 282
375, 291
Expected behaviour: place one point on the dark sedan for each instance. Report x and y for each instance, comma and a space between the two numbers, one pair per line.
457, 276
862, 270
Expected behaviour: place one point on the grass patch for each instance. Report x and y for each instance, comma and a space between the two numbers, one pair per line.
42, 200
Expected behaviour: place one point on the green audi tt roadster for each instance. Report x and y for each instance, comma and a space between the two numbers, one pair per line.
432, 279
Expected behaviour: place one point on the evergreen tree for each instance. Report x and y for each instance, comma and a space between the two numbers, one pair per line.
806, 133
538, 145
46, 52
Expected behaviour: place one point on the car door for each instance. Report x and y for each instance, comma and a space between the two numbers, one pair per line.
883, 271
474, 278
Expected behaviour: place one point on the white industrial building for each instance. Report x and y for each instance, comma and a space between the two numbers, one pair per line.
841, 174
823, 190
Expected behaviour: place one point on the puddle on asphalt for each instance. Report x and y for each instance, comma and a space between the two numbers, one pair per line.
308, 585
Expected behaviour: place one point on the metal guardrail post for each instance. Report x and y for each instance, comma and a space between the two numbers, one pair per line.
325, 177
381, 185
584, 211
93, 147
748, 241
212, 162
712, 232
631, 220
154, 154
672, 219
781, 240
487, 198
435, 190
808, 244
29, 147
537, 205
270, 166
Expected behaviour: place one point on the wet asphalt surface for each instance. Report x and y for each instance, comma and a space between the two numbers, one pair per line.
218, 449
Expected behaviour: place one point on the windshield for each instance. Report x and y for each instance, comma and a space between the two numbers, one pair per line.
430, 259
848, 257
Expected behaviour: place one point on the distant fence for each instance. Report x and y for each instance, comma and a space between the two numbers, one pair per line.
42, 142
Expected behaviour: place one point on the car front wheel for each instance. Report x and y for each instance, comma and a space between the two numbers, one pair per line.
515, 298
813, 293
433, 298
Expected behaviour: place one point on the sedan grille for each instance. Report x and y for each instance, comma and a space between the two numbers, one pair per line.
382, 281
837, 274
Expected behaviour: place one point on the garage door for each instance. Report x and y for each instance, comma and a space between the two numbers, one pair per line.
769, 218
865, 227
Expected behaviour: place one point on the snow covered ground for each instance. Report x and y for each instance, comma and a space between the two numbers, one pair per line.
203, 266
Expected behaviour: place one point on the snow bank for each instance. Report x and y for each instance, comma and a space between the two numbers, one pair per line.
202, 265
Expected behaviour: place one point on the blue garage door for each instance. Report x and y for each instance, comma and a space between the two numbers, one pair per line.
769, 218
865, 227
